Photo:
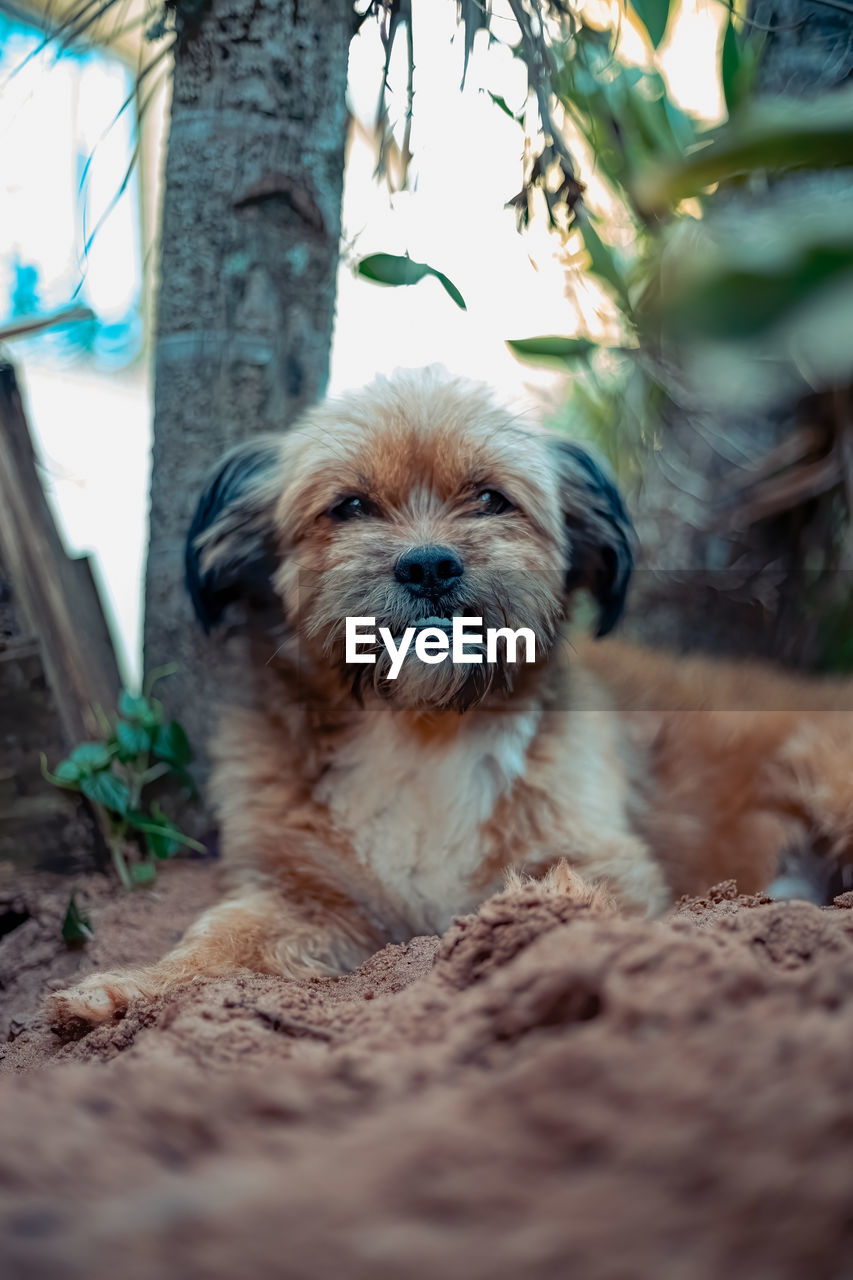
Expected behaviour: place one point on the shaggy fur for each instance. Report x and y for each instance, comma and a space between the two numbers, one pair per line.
356, 810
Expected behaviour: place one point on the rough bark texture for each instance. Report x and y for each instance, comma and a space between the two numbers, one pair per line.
758, 605
251, 228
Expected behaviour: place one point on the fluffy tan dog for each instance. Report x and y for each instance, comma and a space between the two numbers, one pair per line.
357, 809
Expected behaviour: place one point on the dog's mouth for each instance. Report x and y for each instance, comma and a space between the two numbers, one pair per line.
431, 621
442, 621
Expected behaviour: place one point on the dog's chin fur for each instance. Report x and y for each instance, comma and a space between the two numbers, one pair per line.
445, 686
537, 603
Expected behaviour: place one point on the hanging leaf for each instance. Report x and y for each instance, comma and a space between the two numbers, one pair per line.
654, 15
394, 269
76, 927
730, 66
551, 349
473, 17
507, 110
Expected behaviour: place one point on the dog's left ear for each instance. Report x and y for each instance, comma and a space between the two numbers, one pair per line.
600, 534
230, 548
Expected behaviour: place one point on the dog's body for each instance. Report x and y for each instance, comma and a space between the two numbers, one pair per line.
355, 810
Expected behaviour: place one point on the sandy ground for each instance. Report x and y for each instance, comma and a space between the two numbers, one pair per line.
541, 1093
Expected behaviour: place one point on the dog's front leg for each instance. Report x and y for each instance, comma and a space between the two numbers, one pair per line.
259, 930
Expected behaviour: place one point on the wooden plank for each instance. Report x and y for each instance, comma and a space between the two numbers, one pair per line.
56, 593
41, 828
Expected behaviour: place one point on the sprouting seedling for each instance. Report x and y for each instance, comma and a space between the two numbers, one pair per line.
76, 925
135, 750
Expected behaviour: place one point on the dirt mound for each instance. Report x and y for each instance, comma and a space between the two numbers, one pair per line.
543, 1092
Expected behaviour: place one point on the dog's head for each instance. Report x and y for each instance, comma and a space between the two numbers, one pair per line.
414, 501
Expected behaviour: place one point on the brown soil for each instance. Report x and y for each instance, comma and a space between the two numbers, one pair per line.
541, 1093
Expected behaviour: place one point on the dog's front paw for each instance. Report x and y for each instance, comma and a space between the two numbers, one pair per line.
96, 999
563, 881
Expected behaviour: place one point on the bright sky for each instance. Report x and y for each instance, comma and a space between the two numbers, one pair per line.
93, 429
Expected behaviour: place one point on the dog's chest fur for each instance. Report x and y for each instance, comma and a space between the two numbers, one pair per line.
414, 810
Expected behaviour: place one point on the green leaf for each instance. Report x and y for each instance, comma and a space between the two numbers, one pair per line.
108, 791
602, 262
145, 711
551, 349
185, 779
91, 756
392, 269
133, 740
770, 135
166, 842
156, 827
76, 927
680, 123
131, 706
162, 845
171, 744
507, 110
654, 15
730, 66
67, 771
740, 303
67, 774
142, 873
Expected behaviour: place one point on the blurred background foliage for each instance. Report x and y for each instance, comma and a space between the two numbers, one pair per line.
716, 373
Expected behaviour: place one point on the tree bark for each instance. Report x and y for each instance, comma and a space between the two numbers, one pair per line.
250, 244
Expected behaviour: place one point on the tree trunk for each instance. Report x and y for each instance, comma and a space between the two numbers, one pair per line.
742, 591
250, 242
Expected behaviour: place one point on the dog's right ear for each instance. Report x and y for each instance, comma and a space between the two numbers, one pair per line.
230, 549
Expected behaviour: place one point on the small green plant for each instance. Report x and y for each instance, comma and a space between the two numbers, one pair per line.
76, 926
137, 749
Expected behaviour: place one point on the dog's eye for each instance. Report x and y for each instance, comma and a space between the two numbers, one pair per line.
491, 502
351, 508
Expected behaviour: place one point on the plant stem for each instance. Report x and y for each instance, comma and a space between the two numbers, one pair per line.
156, 771
117, 854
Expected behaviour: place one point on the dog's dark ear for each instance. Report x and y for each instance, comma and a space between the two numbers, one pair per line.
230, 549
600, 533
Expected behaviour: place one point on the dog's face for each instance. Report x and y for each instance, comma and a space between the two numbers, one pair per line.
412, 502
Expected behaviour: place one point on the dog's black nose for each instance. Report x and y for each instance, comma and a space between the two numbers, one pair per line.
428, 570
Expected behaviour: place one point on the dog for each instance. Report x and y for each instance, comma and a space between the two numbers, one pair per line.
357, 809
